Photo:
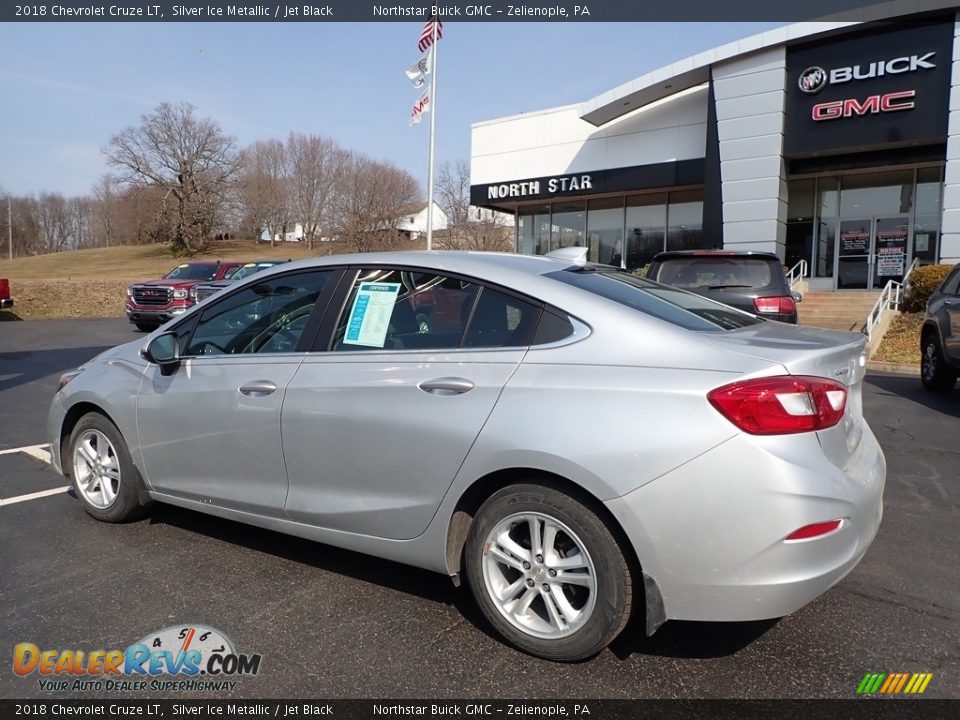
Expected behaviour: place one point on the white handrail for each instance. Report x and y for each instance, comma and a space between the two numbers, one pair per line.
797, 273
890, 298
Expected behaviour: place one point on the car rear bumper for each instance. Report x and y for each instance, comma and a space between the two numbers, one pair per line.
711, 533
6, 303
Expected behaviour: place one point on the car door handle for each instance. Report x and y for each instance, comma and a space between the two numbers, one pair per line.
446, 386
258, 388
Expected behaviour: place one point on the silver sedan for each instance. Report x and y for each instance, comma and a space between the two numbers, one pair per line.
579, 444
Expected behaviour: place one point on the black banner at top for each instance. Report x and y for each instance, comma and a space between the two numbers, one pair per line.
481, 11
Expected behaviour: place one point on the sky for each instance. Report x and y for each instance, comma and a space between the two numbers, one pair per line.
66, 88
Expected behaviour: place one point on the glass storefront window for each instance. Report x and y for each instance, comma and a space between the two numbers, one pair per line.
533, 229
878, 193
646, 224
800, 194
926, 223
685, 220
568, 225
605, 230
828, 203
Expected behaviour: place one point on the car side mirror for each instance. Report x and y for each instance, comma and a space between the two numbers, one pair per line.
797, 297
163, 350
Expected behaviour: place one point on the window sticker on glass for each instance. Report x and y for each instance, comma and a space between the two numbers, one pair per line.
370, 315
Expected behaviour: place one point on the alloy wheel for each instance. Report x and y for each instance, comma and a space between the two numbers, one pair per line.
96, 469
539, 575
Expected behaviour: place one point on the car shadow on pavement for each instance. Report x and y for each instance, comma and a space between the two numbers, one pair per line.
910, 388
25, 366
674, 639
690, 640
9, 316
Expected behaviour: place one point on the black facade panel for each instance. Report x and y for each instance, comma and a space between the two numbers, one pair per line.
594, 182
886, 87
713, 179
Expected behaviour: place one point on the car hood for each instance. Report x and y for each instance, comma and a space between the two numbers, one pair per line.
164, 283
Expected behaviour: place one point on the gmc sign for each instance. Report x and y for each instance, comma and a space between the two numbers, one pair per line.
890, 102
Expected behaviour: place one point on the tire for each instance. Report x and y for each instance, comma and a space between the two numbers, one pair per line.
934, 372
521, 602
146, 327
104, 477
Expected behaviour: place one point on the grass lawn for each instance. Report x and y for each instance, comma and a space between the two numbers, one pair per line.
92, 283
901, 344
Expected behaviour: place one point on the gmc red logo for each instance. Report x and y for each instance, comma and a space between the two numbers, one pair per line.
891, 102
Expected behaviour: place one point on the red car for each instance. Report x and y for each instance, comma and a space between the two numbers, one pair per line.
150, 304
5, 300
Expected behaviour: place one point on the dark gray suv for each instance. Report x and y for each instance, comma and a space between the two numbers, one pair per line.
750, 281
940, 337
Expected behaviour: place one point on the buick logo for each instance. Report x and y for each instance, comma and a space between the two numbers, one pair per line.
812, 80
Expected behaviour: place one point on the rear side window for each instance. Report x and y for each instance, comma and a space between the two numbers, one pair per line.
952, 284
715, 273
677, 307
553, 327
501, 320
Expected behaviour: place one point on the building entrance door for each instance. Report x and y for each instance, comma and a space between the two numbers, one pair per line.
871, 251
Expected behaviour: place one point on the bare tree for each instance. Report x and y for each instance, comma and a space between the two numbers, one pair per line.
315, 165
468, 227
105, 208
369, 202
188, 158
264, 188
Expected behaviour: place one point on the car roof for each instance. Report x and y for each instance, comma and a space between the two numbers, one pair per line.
455, 261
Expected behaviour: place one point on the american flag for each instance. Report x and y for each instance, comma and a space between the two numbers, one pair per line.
426, 35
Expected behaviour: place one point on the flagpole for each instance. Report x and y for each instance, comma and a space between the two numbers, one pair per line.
433, 120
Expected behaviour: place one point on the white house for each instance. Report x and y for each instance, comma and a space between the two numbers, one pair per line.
413, 219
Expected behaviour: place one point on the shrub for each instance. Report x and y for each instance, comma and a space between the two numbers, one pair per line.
921, 285
642, 271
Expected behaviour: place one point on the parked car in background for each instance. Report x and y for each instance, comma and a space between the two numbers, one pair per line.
940, 336
6, 300
150, 304
199, 293
754, 282
581, 444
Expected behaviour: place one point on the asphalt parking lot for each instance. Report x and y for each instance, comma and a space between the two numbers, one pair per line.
334, 624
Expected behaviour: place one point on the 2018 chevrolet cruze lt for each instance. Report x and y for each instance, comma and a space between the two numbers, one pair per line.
581, 444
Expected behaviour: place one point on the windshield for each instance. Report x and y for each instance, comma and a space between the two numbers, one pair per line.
248, 270
677, 307
706, 272
192, 272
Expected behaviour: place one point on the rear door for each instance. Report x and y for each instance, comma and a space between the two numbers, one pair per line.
377, 423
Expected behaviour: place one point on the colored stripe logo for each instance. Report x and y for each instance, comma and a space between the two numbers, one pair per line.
894, 683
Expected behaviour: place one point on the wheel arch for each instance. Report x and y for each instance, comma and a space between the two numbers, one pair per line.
931, 327
470, 500
70, 421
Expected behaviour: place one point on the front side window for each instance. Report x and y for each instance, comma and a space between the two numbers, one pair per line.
268, 317
677, 307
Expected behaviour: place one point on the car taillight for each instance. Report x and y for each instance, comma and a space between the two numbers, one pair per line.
781, 405
783, 305
808, 532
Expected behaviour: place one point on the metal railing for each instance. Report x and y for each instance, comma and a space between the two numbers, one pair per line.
889, 300
797, 273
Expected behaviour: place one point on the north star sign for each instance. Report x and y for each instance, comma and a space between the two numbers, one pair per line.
563, 183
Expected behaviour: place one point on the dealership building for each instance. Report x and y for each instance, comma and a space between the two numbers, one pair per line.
837, 143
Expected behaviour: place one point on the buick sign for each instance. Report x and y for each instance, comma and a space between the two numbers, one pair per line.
813, 79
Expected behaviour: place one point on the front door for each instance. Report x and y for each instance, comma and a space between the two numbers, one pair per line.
872, 251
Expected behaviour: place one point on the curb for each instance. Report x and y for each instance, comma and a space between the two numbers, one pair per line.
891, 368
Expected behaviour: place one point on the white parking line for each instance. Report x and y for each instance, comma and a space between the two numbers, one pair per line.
38, 451
42, 453
33, 496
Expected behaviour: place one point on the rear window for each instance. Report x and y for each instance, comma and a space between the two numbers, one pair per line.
717, 273
677, 307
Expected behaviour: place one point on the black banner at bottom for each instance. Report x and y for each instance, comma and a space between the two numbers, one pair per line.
858, 709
